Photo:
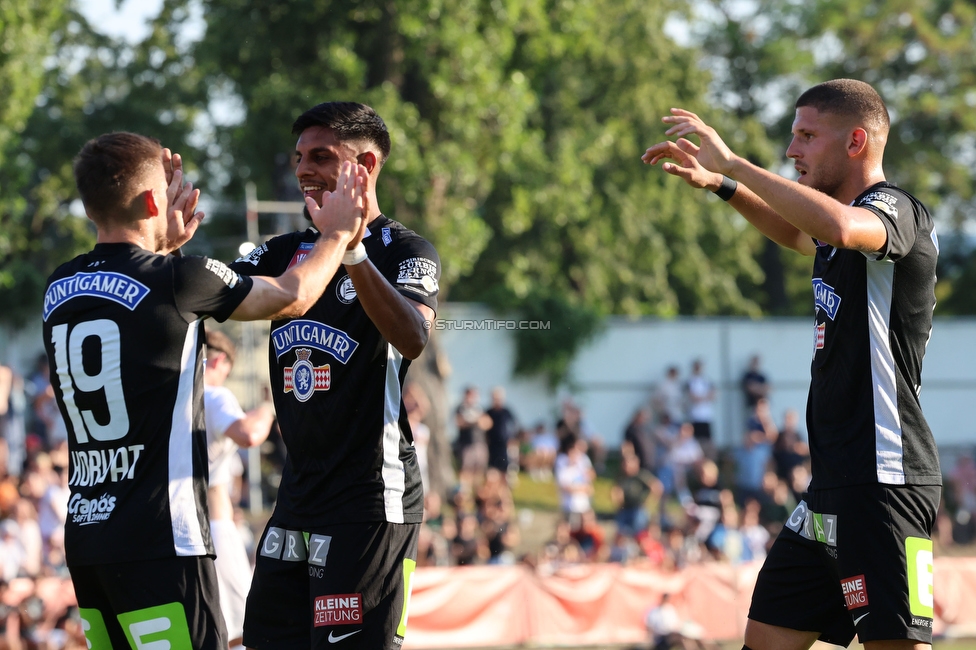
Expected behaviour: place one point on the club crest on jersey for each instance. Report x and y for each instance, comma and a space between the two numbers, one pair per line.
820, 336
345, 291
304, 379
825, 298
318, 336
301, 253
100, 284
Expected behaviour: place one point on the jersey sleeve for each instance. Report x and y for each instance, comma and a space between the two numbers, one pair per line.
273, 257
414, 269
207, 287
897, 213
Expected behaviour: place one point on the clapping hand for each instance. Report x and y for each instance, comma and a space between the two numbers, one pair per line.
182, 217
343, 211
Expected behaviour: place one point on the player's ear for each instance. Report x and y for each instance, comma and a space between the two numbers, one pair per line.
368, 160
150, 202
857, 143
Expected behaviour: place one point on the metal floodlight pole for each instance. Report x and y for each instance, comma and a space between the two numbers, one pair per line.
254, 208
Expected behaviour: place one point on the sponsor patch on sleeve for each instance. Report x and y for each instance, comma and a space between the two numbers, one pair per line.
254, 256
884, 201
222, 271
418, 274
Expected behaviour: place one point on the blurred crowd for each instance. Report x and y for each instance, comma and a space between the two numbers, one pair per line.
37, 608
670, 496
675, 498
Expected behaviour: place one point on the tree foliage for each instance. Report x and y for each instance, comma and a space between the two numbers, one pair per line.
919, 54
517, 129
28, 230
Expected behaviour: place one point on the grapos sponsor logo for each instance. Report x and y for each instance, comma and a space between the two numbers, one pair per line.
491, 324
90, 511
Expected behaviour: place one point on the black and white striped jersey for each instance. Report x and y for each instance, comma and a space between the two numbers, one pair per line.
123, 329
873, 321
337, 383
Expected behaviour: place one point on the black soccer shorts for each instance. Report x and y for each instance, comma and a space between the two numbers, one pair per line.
133, 604
855, 559
345, 586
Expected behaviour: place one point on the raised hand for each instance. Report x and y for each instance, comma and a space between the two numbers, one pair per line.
182, 218
685, 165
343, 211
714, 155
171, 162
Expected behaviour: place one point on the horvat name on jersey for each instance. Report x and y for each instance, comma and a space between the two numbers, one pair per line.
94, 467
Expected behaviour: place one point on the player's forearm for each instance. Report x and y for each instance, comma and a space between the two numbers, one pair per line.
769, 222
309, 279
395, 317
292, 293
808, 210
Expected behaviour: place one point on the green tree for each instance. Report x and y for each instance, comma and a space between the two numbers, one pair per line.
517, 129
27, 231
920, 55
70, 84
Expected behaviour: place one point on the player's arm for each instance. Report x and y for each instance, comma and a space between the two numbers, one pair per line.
811, 211
253, 428
756, 211
403, 322
339, 220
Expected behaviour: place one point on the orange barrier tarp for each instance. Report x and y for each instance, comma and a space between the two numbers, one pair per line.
597, 604
592, 604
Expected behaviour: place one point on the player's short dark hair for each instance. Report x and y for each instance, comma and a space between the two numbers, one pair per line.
849, 97
350, 121
109, 168
220, 342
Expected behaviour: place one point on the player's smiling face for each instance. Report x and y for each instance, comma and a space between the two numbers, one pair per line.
318, 156
818, 150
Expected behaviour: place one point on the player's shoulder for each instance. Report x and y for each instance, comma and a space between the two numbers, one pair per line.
278, 246
891, 200
394, 234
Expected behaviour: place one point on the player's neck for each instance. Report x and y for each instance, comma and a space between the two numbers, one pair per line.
374, 208
138, 237
858, 182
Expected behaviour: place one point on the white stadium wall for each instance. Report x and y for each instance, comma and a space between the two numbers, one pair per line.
616, 372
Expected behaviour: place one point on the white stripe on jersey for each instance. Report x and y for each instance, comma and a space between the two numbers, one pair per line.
394, 476
887, 421
187, 536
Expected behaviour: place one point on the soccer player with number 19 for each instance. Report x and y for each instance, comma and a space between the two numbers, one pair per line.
856, 554
123, 329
